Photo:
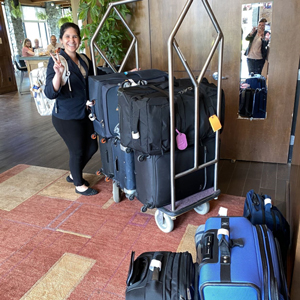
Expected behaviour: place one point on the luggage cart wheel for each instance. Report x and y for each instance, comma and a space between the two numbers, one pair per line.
116, 192
203, 208
163, 221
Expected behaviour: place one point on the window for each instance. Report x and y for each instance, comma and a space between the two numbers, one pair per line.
34, 28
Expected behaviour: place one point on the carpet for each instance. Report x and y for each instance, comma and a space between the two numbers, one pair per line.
56, 244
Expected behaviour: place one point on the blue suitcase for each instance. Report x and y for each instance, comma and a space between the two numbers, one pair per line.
259, 106
103, 91
239, 261
258, 209
256, 81
124, 175
107, 168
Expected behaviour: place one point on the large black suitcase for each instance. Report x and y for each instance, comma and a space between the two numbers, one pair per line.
153, 187
161, 276
145, 114
103, 92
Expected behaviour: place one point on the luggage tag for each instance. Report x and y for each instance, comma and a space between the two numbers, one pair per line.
181, 140
215, 123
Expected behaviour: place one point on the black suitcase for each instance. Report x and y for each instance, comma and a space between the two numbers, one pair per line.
161, 276
145, 114
153, 187
107, 161
103, 92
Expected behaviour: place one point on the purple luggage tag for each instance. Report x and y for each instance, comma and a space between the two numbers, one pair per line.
181, 140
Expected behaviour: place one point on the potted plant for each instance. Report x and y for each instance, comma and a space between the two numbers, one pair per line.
113, 33
67, 18
15, 11
41, 15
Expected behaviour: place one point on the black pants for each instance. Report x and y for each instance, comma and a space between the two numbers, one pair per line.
255, 65
77, 136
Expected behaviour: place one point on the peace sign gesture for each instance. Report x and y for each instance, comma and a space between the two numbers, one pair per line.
58, 67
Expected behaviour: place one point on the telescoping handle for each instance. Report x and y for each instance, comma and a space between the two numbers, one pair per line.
196, 81
93, 45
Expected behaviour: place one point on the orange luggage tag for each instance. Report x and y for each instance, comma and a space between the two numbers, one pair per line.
215, 123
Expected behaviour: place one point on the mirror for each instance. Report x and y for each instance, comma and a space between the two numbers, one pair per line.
256, 45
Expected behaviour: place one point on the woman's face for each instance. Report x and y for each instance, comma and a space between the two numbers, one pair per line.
28, 44
70, 40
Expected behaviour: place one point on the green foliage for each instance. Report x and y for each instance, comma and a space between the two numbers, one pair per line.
41, 15
67, 18
111, 36
15, 11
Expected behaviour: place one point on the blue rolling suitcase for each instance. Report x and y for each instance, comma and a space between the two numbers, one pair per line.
258, 209
103, 91
256, 81
123, 159
259, 105
240, 261
107, 169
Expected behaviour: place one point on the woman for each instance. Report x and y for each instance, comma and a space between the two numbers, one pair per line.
27, 48
70, 115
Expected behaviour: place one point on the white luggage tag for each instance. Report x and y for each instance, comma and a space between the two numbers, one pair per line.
181, 140
155, 264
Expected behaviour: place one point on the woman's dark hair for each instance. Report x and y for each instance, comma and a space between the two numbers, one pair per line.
67, 25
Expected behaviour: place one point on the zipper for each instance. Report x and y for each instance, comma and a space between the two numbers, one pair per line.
273, 282
182, 276
264, 261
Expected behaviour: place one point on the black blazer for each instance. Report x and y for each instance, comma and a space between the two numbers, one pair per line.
69, 104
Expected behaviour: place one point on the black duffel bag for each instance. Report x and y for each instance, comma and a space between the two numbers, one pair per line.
161, 275
145, 114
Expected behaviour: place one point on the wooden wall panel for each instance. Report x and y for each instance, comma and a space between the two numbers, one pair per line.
139, 23
7, 76
259, 140
194, 37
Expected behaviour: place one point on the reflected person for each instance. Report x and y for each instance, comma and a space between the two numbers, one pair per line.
257, 49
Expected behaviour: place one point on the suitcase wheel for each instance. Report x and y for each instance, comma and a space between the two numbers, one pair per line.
103, 140
203, 208
94, 135
141, 158
92, 117
107, 179
99, 173
163, 221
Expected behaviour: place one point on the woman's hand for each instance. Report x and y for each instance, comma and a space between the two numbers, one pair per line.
58, 67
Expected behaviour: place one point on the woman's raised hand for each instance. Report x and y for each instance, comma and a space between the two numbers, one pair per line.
58, 67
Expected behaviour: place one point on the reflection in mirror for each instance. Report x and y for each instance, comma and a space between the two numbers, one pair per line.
256, 44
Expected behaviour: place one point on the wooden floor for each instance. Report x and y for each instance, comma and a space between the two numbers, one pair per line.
28, 138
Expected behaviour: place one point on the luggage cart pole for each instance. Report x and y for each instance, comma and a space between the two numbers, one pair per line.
172, 43
220, 40
93, 45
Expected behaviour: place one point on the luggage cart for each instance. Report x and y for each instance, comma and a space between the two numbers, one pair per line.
133, 44
166, 215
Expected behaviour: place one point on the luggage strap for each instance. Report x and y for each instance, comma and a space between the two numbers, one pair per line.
225, 243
